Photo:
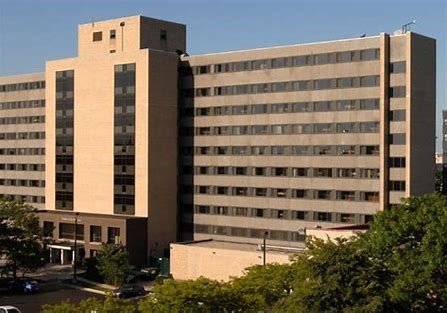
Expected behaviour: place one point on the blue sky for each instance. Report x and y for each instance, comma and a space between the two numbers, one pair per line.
33, 31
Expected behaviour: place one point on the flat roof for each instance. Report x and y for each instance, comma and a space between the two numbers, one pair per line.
231, 245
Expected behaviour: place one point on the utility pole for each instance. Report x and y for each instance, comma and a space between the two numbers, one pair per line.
263, 247
75, 257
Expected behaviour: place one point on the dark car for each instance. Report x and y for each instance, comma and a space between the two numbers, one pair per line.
149, 273
24, 285
129, 291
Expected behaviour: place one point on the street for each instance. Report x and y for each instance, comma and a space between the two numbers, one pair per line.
32, 303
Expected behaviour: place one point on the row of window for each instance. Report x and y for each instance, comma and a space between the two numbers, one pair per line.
12, 105
327, 150
24, 198
284, 171
344, 195
22, 135
278, 108
285, 214
22, 86
249, 232
22, 151
21, 167
291, 61
286, 86
67, 231
22, 182
22, 120
290, 129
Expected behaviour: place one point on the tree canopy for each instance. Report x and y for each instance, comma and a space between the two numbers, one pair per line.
113, 264
21, 237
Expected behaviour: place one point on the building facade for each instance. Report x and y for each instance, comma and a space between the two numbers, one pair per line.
22, 138
315, 135
132, 137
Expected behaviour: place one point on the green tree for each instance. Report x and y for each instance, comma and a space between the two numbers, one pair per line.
410, 243
109, 305
200, 295
113, 264
21, 237
398, 265
270, 283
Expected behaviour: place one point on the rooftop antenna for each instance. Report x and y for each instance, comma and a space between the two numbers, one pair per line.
407, 27
122, 35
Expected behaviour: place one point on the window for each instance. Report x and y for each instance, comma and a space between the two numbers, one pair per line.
323, 172
240, 150
240, 171
222, 150
369, 127
203, 111
397, 139
97, 36
240, 130
369, 81
345, 105
369, 173
346, 195
322, 128
260, 192
279, 62
240, 109
299, 215
48, 228
259, 171
279, 129
258, 212
278, 150
324, 58
398, 67
345, 56
345, 128
300, 60
322, 106
301, 107
163, 34
240, 211
279, 171
347, 218
369, 104
221, 190
277, 214
222, 170
370, 196
203, 69
240, 191
300, 172
203, 209
346, 172
369, 150
322, 84
397, 115
259, 129
221, 210
259, 108
95, 233
369, 54
260, 150
259, 64
280, 108
323, 194
112, 34
67, 231
397, 185
302, 129
280, 193
323, 216
344, 82
301, 150
323, 150
397, 162
397, 92
113, 235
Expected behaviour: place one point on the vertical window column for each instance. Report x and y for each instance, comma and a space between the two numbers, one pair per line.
124, 139
64, 139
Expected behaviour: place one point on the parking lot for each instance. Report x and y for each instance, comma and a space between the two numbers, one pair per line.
33, 303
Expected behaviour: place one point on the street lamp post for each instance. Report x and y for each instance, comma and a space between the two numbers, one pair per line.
263, 247
75, 246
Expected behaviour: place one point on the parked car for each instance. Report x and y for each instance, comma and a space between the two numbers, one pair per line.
149, 273
129, 291
24, 285
9, 309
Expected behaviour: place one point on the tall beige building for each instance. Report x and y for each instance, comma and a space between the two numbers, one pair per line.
111, 145
22, 138
325, 134
132, 138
